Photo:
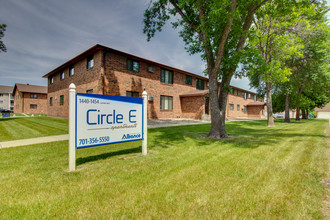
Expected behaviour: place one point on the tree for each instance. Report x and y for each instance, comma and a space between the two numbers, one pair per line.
216, 29
2, 30
274, 44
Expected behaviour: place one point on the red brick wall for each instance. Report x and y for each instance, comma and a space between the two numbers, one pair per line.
118, 80
193, 107
23, 102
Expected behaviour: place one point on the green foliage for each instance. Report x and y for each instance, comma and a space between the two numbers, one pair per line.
2, 34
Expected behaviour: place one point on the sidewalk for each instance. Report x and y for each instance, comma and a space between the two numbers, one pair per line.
39, 140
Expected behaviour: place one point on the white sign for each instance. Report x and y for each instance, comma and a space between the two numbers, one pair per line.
103, 119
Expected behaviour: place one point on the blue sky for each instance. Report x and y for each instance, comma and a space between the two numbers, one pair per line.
43, 34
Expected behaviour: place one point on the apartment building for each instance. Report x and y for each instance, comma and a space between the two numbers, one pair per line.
30, 99
172, 93
6, 98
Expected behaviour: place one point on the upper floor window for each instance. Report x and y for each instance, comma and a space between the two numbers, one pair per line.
132, 94
62, 76
33, 96
200, 84
71, 71
166, 76
249, 95
90, 62
133, 65
245, 95
238, 92
51, 80
188, 80
231, 90
255, 98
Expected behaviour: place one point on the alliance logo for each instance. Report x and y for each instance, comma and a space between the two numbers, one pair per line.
130, 136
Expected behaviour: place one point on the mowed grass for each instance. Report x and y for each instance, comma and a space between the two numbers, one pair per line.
261, 173
31, 127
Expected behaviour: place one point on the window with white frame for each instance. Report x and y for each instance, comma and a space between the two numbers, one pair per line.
166, 76
90, 62
71, 71
62, 76
231, 106
166, 102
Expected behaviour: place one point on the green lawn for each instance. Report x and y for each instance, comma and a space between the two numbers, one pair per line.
261, 173
31, 127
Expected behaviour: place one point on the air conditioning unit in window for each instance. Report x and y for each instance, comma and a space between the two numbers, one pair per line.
151, 69
150, 98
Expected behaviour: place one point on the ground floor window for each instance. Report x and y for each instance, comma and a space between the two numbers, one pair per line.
61, 99
231, 106
166, 102
51, 101
132, 94
33, 106
90, 91
238, 107
245, 109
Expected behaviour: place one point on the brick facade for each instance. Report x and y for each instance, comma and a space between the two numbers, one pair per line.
30, 99
110, 75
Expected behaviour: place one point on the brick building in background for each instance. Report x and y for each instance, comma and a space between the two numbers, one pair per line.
30, 99
6, 98
172, 93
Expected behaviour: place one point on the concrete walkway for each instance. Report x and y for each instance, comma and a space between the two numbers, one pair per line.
30, 141
152, 123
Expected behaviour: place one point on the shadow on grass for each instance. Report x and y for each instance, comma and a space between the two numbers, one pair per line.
104, 156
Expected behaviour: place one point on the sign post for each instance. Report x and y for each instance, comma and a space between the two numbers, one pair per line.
145, 123
96, 120
72, 127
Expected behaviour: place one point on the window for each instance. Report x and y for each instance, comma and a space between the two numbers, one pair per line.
188, 80
231, 106
166, 76
1, 94
132, 94
238, 107
255, 98
238, 92
71, 71
61, 99
200, 84
245, 95
51, 101
245, 109
33, 96
166, 102
90, 91
133, 65
231, 90
62, 76
249, 95
90, 62
33, 106
51, 80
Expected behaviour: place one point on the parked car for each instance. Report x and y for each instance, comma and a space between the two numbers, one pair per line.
278, 115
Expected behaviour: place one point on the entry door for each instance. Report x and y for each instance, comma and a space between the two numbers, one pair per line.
207, 104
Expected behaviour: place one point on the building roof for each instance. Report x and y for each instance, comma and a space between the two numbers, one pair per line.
326, 108
256, 104
99, 47
30, 88
195, 93
6, 89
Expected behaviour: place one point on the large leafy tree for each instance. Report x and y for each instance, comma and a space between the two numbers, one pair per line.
216, 29
2, 34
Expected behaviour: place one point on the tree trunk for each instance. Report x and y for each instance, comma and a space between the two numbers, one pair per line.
287, 108
297, 113
223, 106
304, 116
270, 118
215, 130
